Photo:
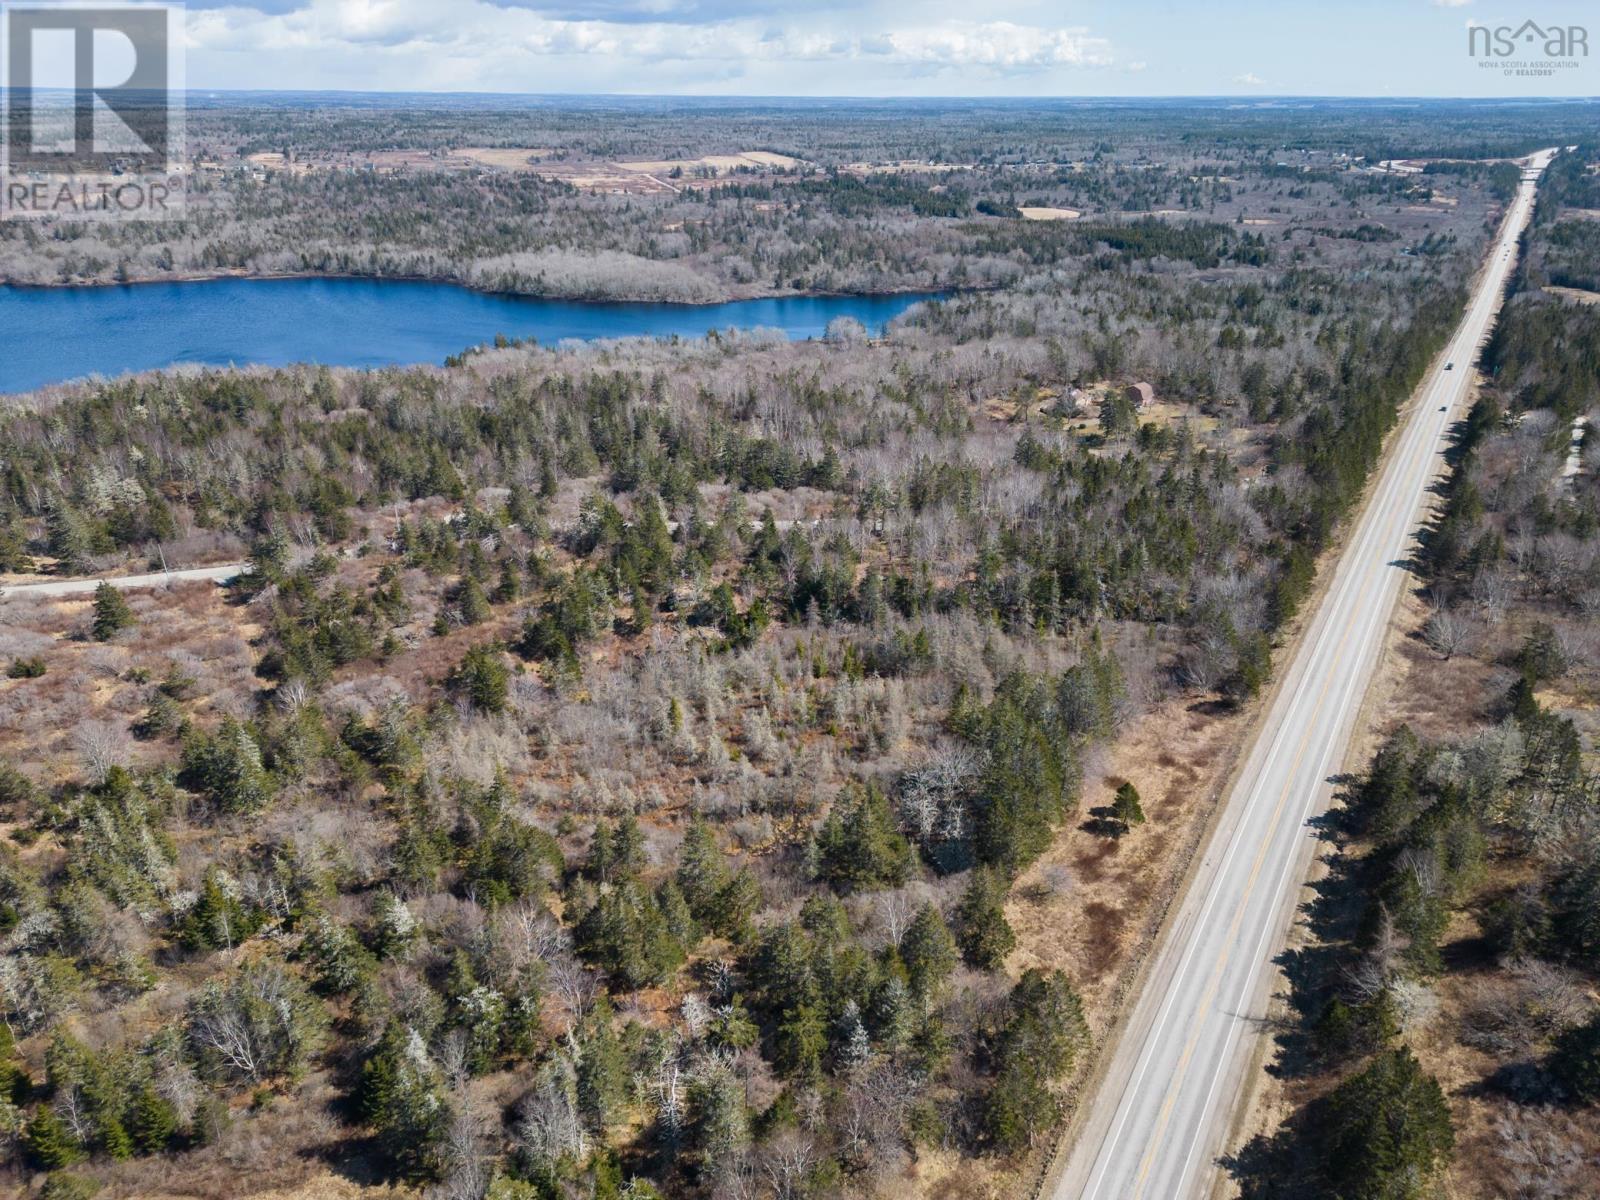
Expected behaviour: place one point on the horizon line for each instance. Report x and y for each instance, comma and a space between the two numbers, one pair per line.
953, 98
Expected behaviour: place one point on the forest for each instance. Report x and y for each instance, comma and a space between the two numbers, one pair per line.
619, 202
640, 768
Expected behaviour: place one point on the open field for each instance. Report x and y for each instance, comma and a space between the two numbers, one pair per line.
713, 164
1578, 295
507, 159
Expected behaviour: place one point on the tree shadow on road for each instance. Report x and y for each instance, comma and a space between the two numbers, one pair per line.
1278, 1164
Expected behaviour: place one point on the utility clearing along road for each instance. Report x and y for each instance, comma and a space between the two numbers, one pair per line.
1181, 1069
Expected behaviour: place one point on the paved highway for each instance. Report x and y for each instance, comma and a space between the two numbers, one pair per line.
1178, 1074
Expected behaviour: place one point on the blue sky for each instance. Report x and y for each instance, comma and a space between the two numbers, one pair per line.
874, 47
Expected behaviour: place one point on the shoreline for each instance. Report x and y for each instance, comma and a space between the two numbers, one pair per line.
220, 276
798, 316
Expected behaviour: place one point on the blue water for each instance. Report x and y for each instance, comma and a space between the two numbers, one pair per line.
48, 335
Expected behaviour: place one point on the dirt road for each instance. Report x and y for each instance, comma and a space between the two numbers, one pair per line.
161, 579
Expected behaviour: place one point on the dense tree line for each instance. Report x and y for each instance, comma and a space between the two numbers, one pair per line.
927, 200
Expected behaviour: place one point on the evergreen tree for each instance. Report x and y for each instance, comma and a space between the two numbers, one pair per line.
1387, 801
1385, 1131
227, 768
111, 613
734, 909
702, 869
800, 1041
474, 604
603, 1074
1029, 778
892, 1016
732, 1028
855, 1046
1575, 1061
482, 679
49, 1143
616, 852
338, 962
1344, 1030
269, 560
859, 846
1126, 810
482, 1014
395, 929
986, 936
722, 900
1117, 414
14, 556
402, 1098
928, 951
719, 1125
15, 1082
67, 537
114, 1140
152, 1121
1043, 1033
781, 967
219, 920
519, 505
1090, 691
627, 847
607, 1175
675, 910
510, 585
626, 934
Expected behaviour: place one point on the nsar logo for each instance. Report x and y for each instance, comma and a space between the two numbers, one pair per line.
1529, 48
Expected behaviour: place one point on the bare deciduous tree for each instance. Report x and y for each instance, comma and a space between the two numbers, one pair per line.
551, 1127
468, 1165
1448, 633
102, 746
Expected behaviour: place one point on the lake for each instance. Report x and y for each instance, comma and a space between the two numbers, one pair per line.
48, 335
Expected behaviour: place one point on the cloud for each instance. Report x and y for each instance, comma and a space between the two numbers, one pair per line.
1451, 3
1000, 44
1250, 79
687, 12
501, 45
275, 7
